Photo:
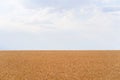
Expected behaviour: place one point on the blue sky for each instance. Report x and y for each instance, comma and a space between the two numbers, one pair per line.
59, 24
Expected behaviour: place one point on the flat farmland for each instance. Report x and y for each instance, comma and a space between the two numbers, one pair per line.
59, 65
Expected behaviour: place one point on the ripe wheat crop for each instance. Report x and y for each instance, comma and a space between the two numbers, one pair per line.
60, 65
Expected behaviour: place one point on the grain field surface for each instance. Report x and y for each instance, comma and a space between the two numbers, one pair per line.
59, 65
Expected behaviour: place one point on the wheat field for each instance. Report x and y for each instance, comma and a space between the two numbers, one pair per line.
59, 65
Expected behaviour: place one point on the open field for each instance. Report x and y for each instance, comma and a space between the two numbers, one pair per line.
59, 65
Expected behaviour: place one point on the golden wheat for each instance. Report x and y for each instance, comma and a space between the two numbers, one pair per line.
60, 65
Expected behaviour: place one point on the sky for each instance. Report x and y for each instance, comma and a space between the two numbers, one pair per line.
59, 24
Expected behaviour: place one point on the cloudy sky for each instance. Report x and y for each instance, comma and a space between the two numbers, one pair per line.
59, 24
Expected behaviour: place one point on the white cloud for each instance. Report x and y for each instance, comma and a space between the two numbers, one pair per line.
89, 21
35, 20
22, 18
